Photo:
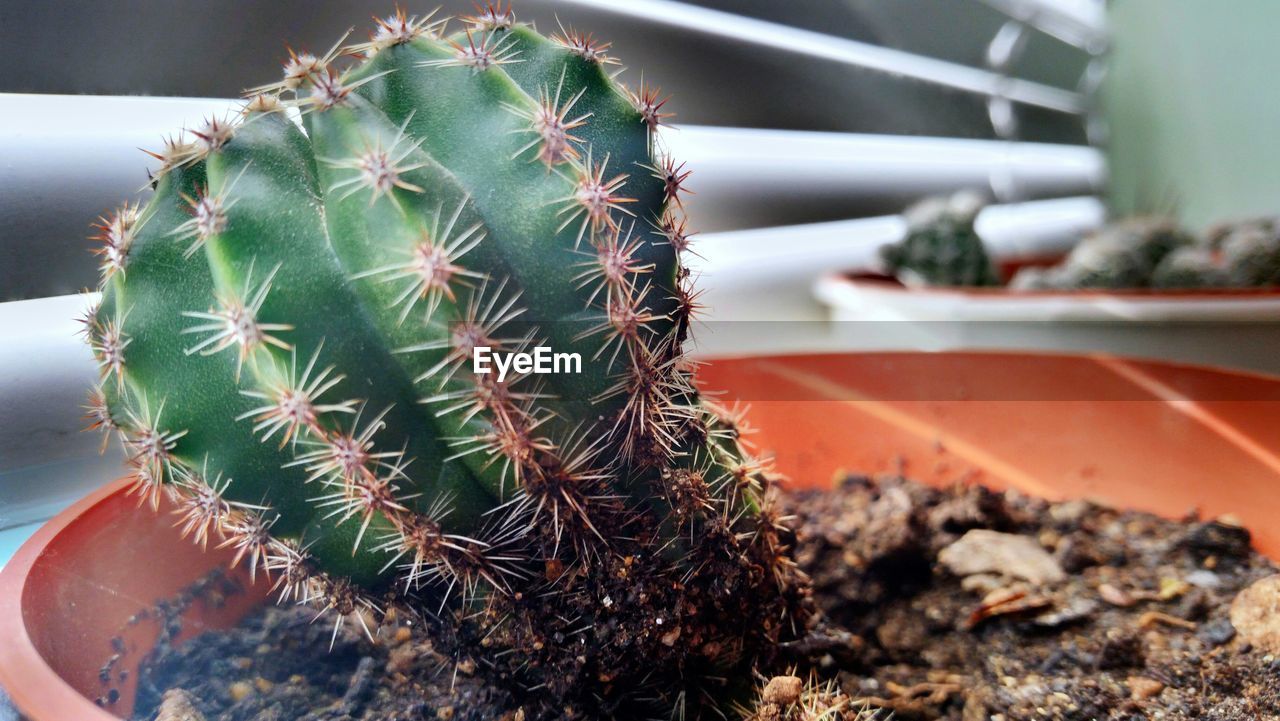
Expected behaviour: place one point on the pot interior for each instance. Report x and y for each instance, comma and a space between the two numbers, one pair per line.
89, 602
1165, 438
1155, 436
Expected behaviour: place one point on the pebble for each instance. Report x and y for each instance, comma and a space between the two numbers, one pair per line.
1115, 596
239, 690
1218, 632
1075, 610
1142, 688
1203, 579
1255, 614
1171, 588
983, 551
1070, 511
177, 705
782, 690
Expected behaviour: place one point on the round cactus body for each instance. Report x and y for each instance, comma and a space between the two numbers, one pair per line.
942, 246
1251, 253
1190, 267
1106, 261
290, 330
1122, 255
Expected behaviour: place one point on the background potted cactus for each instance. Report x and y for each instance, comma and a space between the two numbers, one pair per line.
1127, 289
1141, 286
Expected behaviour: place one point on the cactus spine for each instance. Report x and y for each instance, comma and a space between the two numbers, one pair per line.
286, 335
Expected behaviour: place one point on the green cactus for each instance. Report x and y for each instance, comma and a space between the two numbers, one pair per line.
1153, 252
287, 331
1190, 267
1122, 255
1251, 252
942, 247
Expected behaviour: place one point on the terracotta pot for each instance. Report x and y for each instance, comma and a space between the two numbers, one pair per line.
1148, 435
1237, 328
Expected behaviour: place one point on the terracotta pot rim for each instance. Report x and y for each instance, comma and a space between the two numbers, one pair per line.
24, 673
889, 284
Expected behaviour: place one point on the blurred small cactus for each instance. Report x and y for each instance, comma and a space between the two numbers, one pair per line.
1121, 255
942, 246
1190, 267
1149, 252
1250, 252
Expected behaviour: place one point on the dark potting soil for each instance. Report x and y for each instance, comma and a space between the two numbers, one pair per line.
1068, 611
960, 604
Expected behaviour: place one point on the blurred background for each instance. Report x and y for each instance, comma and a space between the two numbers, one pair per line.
859, 106
809, 126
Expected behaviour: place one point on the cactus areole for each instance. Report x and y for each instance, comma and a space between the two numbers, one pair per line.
288, 336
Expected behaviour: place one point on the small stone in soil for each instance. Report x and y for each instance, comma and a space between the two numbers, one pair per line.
1116, 596
983, 551
783, 690
1142, 688
239, 690
1218, 632
177, 705
1075, 611
1255, 614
